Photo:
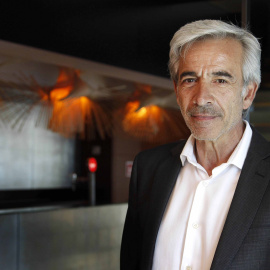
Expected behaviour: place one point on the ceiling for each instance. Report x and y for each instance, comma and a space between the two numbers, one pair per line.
130, 34
133, 35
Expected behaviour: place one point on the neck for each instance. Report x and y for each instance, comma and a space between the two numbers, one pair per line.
211, 154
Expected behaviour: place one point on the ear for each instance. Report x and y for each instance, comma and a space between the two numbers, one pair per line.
249, 95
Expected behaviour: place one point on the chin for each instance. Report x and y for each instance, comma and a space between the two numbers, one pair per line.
206, 136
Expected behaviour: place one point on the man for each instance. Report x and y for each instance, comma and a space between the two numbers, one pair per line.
204, 203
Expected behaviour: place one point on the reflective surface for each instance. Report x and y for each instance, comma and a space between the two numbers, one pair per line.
71, 239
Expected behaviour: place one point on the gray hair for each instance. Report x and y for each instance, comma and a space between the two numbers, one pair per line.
207, 29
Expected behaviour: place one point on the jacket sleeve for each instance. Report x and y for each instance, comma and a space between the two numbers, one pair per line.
131, 240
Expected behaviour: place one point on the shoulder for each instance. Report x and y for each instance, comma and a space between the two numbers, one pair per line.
259, 145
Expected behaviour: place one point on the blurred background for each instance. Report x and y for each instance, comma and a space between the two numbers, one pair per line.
89, 79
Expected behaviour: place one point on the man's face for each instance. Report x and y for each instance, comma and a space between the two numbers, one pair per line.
209, 89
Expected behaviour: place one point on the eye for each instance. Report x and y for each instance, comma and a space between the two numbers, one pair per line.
189, 80
221, 81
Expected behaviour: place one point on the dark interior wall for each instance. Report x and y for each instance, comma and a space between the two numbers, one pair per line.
101, 150
260, 26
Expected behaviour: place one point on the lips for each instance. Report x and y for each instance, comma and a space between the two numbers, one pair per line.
204, 117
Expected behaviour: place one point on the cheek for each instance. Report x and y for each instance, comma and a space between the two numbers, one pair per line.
182, 104
229, 100
238, 102
235, 107
183, 100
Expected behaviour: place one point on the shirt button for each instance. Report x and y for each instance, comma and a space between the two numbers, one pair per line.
195, 226
188, 268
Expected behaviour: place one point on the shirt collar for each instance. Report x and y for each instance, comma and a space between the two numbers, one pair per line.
188, 152
237, 158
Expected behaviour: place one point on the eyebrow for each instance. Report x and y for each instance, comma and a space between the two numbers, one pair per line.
187, 73
223, 74
217, 73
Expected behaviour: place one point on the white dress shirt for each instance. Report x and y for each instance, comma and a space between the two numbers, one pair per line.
197, 210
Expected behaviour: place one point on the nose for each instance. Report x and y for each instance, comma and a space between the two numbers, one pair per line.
202, 94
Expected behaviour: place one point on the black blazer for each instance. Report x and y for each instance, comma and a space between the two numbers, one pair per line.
245, 240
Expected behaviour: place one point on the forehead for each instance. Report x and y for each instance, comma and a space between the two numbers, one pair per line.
213, 52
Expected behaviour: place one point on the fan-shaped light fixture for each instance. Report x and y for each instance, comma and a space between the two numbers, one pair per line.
153, 123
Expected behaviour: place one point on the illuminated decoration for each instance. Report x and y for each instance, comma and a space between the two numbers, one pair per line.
55, 108
19, 101
86, 109
80, 116
74, 103
27, 101
153, 123
152, 115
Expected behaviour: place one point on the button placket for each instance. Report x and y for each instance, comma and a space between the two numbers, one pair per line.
193, 231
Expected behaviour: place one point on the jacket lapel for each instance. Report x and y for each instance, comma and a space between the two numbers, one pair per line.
164, 183
251, 186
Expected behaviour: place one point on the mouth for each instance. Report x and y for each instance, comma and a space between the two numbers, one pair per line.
203, 117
